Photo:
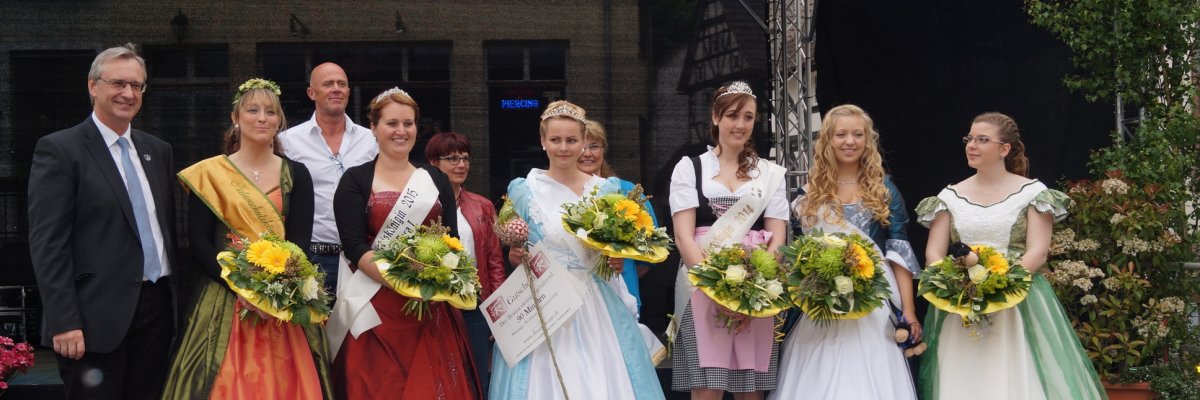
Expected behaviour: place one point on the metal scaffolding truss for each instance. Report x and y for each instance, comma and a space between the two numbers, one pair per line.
790, 33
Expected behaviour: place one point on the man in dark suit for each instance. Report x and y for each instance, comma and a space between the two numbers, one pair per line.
101, 241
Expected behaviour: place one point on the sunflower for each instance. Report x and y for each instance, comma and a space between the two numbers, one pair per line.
268, 256
628, 209
860, 262
452, 242
644, 221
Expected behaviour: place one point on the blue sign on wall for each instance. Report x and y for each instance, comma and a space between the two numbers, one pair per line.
515, 104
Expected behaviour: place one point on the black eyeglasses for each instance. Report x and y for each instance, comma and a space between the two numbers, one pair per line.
455, 160
138, 87
981, 140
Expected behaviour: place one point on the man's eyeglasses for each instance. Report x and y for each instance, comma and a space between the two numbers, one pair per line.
337, 160
981, 140
138, 87
455, 160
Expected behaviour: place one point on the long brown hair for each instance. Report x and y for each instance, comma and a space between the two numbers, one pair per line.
1010, 134
822, 180
721, 104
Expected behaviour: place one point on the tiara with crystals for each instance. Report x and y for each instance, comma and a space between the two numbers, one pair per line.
564, 111
739, 87
389, 92
255, 83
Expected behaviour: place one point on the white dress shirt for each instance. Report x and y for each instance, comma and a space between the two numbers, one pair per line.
303, 143
110, 140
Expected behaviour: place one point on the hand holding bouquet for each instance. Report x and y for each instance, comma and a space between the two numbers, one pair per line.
275, 276
974, 281
427, 264
619, 226
835, 276
748, 283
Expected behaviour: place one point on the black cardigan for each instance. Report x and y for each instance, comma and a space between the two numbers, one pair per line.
350, 207
297, 224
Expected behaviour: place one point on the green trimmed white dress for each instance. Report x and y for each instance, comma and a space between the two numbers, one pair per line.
1027, 352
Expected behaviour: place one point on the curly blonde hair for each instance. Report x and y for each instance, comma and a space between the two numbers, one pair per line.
822, 179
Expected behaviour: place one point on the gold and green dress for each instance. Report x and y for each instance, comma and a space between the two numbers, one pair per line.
224, 356
1027, 352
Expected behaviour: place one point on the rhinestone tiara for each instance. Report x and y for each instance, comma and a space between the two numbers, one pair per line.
563, 111
389, 92
739, 87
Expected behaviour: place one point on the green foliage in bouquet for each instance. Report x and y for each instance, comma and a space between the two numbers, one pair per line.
749, 283
275, 275
987, 283
619, 225
427, 264
835, 276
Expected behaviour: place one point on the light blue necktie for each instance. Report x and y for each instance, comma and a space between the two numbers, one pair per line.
141, 214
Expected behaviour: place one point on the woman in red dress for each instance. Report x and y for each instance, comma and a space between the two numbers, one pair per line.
401, 357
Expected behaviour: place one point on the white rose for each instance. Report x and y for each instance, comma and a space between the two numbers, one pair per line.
977, 274
832, 241
843, 284
735, 273
309, 289
774, 289
450, 260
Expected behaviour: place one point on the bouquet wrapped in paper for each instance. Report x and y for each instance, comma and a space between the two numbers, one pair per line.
276, 277
427, 264
749, 283
619, 225
835, 276
974, 281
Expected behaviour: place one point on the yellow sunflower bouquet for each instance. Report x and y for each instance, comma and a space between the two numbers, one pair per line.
619, 225
427, 264
835, 276
749, 283
974, 281
275, 276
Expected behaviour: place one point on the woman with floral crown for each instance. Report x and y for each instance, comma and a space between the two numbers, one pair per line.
725, 196
599, 353
247, 192
1029, 351
381, 350
848, 192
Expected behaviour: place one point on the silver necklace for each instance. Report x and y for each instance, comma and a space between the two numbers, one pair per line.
255, 174
847, 183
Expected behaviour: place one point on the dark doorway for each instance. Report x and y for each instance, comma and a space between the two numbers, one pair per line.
514, 114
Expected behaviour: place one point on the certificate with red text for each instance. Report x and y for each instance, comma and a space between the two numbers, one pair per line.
510, 311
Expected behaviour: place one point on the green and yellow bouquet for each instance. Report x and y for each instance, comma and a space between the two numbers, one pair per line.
619, 225
835, 276
749, 283
427, 264
974, 281
275, 276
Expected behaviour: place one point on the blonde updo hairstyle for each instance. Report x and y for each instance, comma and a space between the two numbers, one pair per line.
563, 110
823, 178
1010, 134
722, 104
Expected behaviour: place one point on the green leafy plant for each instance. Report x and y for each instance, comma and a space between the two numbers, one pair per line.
1178, 379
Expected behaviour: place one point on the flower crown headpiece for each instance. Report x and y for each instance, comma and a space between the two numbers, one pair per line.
564, 111
389, 92
256, 83
739, 87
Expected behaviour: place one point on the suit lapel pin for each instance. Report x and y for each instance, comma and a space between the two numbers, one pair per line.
146, 157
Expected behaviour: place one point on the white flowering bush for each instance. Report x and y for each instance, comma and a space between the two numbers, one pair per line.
1114, 266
